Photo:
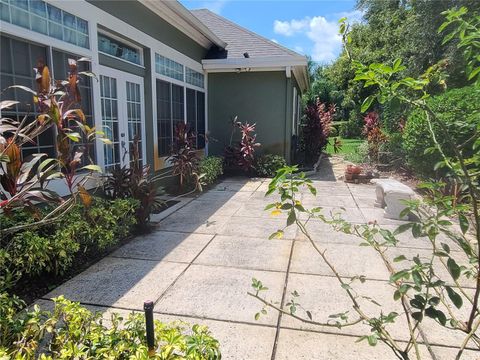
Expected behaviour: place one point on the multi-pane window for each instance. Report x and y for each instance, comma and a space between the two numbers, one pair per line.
110, 122
15, 72
118, 49
134, 117
38, 16
196, 115
194, 77
170, 111
168, 67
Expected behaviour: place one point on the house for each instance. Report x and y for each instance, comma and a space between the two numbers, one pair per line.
156, 64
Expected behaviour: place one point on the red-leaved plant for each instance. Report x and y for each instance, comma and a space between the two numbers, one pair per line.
373, 132
242, 153
316, 128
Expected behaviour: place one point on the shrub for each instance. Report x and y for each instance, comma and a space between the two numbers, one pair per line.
211, 167
184, 158
241, 154
71, 331
267, 165
316, 126
391, 151
135, 182
458, 110
52, 249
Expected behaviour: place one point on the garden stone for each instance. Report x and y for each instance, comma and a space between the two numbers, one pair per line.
391, 195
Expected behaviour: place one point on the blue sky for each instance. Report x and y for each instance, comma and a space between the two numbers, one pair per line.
308, 27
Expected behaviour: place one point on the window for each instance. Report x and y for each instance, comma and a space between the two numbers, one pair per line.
119, 49
38, 16
196, 115
170, 111
21, 73
110, 122
167, 67
194, 77
134, 116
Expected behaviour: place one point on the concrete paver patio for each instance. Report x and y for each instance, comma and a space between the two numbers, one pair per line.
198, 265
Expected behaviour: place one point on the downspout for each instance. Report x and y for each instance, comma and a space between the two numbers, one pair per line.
288, 97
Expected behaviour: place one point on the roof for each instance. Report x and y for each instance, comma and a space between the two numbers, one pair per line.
177, 15
240, 40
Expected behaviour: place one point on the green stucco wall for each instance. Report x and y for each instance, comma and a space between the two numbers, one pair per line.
137, 15
255, 97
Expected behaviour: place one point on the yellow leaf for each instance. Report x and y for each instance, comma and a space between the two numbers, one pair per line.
276, 212
85, 197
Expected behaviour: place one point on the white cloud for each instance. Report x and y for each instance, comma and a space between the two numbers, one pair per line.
215, 6
289, 28
323, 34
327, 43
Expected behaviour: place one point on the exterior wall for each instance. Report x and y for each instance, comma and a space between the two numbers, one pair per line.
255, 97
133, 22
137, 15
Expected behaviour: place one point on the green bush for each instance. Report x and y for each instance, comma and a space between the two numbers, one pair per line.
51, 249
211, 167
71, 331
267, 165
458, 109
391, 151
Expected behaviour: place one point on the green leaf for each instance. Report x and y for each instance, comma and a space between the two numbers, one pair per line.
257, 316
276, 235
455, 297
367, 103
453, 268
372, 340
399, 258
402, 228
417, 316
463, 223
417, 278
292, 217
399, 275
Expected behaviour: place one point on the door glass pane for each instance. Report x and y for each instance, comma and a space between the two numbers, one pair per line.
200, 120
191, 111
134, 119
178, 109
164, 118
110, 124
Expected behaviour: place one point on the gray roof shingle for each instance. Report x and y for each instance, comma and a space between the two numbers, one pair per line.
240, 40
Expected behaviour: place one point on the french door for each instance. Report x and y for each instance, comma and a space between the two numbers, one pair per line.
123, 116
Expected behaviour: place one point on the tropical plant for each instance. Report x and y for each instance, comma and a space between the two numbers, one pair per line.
24, 181
71, 331
374, 134
315, 129
267, 165
184, 157
210, 167
242, 153
134, 181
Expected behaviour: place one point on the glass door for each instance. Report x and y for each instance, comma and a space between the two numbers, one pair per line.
123, 119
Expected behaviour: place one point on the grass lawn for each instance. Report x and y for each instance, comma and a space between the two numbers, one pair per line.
349, 149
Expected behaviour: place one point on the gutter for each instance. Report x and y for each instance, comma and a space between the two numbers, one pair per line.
178, 16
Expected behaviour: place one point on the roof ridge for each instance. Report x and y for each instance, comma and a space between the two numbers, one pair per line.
281, 47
